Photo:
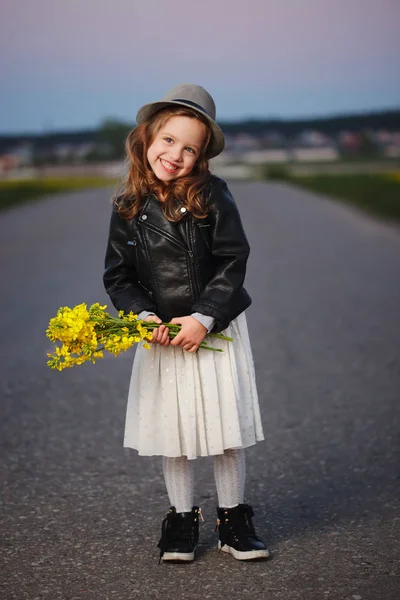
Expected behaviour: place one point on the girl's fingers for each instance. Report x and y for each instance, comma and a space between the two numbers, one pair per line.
153, 319
179, 339
161, 335
176, 320
190, 348
165, 337
156, 335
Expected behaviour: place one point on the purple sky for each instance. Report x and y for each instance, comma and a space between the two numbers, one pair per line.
69, 64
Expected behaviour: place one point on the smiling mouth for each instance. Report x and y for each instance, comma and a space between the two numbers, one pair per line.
168, 166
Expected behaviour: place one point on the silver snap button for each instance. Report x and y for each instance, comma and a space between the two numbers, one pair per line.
183, 209
144, 217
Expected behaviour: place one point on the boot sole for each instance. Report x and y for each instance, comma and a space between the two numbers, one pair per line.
178, 556
249, 555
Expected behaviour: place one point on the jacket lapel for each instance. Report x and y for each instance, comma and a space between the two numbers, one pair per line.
151, 216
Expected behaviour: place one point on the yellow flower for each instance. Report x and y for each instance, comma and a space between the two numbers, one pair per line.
131, 317
84, 333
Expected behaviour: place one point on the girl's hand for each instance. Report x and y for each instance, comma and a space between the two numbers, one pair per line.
191, 335
160, 334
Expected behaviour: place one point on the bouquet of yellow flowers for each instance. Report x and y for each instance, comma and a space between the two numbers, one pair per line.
84, 334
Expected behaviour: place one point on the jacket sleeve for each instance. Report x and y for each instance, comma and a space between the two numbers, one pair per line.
230, 250
120, 276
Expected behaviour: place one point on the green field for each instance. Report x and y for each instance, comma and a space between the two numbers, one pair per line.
375, 193
378, 194
17, 192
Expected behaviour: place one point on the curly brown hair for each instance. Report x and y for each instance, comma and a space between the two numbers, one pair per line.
140, 179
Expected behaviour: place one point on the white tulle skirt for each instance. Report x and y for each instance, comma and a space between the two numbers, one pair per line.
183, 404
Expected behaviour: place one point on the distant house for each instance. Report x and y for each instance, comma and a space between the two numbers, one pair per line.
311, 138
311, 145
389, 142
270, 155
349, 141
8, 162
392, 151
244, 142
72, 151
15, 156
324, 154
273, 139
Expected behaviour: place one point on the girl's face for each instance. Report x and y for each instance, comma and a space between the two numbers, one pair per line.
176, 147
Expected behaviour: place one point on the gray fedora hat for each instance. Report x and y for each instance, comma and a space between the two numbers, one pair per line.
194, 97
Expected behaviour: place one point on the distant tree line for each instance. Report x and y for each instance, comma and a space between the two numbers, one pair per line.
387, 120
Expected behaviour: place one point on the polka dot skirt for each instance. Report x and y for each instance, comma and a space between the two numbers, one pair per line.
183, 404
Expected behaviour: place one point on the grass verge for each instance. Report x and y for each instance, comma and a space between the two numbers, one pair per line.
377, 194
17, 192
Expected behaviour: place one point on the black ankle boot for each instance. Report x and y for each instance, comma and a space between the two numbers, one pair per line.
237, 535
179, 534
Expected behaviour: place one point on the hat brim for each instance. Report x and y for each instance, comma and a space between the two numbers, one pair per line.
217, 141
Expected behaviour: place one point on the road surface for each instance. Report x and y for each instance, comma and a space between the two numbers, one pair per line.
80, 516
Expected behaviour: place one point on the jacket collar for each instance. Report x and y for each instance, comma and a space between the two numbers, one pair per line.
151, 215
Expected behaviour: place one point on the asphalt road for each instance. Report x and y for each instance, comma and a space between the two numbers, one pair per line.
80, 516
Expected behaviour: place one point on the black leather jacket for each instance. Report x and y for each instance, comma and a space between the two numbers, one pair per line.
175, 269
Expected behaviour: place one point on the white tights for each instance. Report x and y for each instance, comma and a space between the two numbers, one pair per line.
229, 473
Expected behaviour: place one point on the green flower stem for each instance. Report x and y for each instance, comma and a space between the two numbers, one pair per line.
171, 326
204, 347
219, 336
114, 325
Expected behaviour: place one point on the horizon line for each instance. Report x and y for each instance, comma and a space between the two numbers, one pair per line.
233, 121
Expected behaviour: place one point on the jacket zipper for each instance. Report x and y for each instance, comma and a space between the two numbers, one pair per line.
150, 293
133, 243
192, 262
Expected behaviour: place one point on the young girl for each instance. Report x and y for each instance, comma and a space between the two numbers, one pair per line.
177, 253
